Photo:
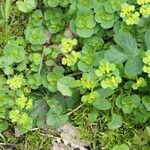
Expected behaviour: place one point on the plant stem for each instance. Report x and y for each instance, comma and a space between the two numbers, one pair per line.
75, 110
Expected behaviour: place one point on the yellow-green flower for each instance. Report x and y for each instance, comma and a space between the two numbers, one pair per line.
21, 101
139, 83
146, 69
133, 18
67, 45
15, 82
142, 2
71, 59
111, 82
29, 104
90, 98
105, 69
129, 15
24, 118
87, 83
14, 115
126, 10
145, 10
26, 90
146, 61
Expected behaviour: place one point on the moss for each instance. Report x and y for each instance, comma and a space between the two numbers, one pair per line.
14, 26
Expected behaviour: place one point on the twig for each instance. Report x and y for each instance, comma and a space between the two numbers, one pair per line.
5, 144
75, 74
41, 63
75, 110
34, 129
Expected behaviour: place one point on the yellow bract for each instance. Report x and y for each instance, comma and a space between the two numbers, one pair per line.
146, 69
87, 84
111, 82
146, 61
26, 91
90, 98
23, 119
105, 68
71, 59
145, 10
133, 19
141, 2
23, 102
15, 82
139, 83
14, 115
126, 10
130, 16
67, 45
29, 104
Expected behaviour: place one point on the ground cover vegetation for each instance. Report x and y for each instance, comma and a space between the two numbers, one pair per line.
86, 62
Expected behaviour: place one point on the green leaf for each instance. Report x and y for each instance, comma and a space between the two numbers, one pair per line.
147, 39
35, 58
66, 85
115, 123
52, 3
133, 67
115, 55
146, 102
128, 43
35, 36
85, 32
141, 117
147, 131
39, 110
104, 93
107, 24
53, 19
128, 103
8, 70
93, 116
102, 104
3, 126
56, 120
50, 81
108, 7
26, 5
13, 53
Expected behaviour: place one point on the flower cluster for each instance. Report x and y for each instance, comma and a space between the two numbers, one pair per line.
22, 119
145, 10
87, 81
146, 61
89, 98
67, 45
15, 83
139, 83
23, 102
18, 116
71, 59
70, 56
109, 75
142, 2
111, 82
129, 15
